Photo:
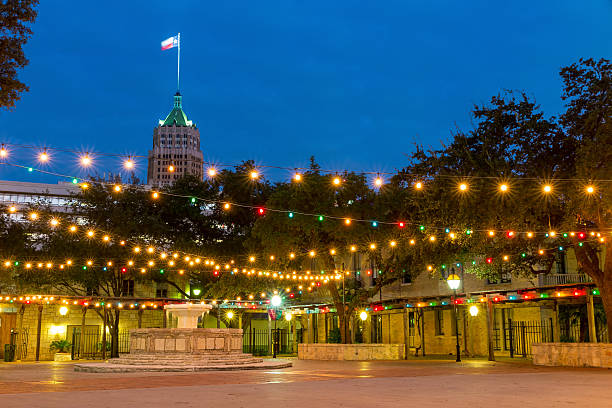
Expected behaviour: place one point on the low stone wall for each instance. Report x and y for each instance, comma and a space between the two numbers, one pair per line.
351, 351
573, 354
201, 341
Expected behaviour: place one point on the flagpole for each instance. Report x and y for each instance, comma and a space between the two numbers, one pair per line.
178, 65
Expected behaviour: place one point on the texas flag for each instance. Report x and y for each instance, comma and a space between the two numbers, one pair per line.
170, 43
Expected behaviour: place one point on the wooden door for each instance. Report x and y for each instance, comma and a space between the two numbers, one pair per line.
8, 321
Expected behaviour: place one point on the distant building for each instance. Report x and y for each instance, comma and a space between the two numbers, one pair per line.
176, 148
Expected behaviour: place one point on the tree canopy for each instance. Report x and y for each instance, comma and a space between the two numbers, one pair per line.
16, 17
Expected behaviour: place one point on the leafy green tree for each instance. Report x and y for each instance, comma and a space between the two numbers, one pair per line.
515, 145
280, 234
16, 17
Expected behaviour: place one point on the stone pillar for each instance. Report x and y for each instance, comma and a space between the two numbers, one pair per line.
591, 318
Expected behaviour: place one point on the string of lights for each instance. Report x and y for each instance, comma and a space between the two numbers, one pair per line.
347, 221
86, 159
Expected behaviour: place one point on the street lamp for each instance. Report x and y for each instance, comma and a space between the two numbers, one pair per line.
453, 282
275, 301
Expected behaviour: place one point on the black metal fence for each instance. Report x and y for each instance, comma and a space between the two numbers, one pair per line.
259, 341
523, 334
92, 344
19, 344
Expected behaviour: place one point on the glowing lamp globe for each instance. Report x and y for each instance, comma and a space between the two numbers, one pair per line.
288, 317
363, 316
276, 301
230, 315
63, 311
453, 281
473, 310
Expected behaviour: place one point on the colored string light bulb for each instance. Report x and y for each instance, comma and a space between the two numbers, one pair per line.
212, 172
547, 188
43, 157
590, 189
128, 164
504, 187
418, 185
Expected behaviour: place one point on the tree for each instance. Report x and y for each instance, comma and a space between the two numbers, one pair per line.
514, 144
300, 233
16, 16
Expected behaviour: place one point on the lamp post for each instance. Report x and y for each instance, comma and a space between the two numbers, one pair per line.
275, 302
453, 282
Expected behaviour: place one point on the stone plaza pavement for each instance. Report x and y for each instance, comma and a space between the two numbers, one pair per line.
313, 384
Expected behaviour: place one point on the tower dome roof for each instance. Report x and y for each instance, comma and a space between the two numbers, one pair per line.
176, 117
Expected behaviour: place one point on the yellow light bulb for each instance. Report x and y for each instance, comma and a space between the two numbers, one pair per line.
251, 259
226, 206
297, 177
128, 164
254, 175
73, 228
86, 160
12, 209
332, 252
155, 195
347, 221
503, 188
353, 248
90, 233
530, 235
418, 185
432, 238
3, 152
212, 172
33, 216
43, 157
117, 188
105, 238
590, 189
171, 168
491, 233
412, 242
291, 255
378, 181
336, 181
372, 246
54, 222
463, 187
547, 188
312, 253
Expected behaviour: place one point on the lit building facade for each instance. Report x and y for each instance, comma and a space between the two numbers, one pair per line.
176, 148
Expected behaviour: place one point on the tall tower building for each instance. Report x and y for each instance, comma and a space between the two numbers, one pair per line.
176, 148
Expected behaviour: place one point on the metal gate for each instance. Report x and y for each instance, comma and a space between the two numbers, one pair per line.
19, 343
259, 341
523, 334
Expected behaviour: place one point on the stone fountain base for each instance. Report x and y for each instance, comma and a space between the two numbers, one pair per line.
183, 350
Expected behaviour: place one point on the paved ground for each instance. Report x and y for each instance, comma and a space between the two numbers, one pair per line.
425, 383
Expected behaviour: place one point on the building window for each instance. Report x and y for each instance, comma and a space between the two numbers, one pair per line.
161, 292
127, 287
439, 315
560, 262
406, 277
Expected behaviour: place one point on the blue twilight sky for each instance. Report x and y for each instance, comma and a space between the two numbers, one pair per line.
354, 83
